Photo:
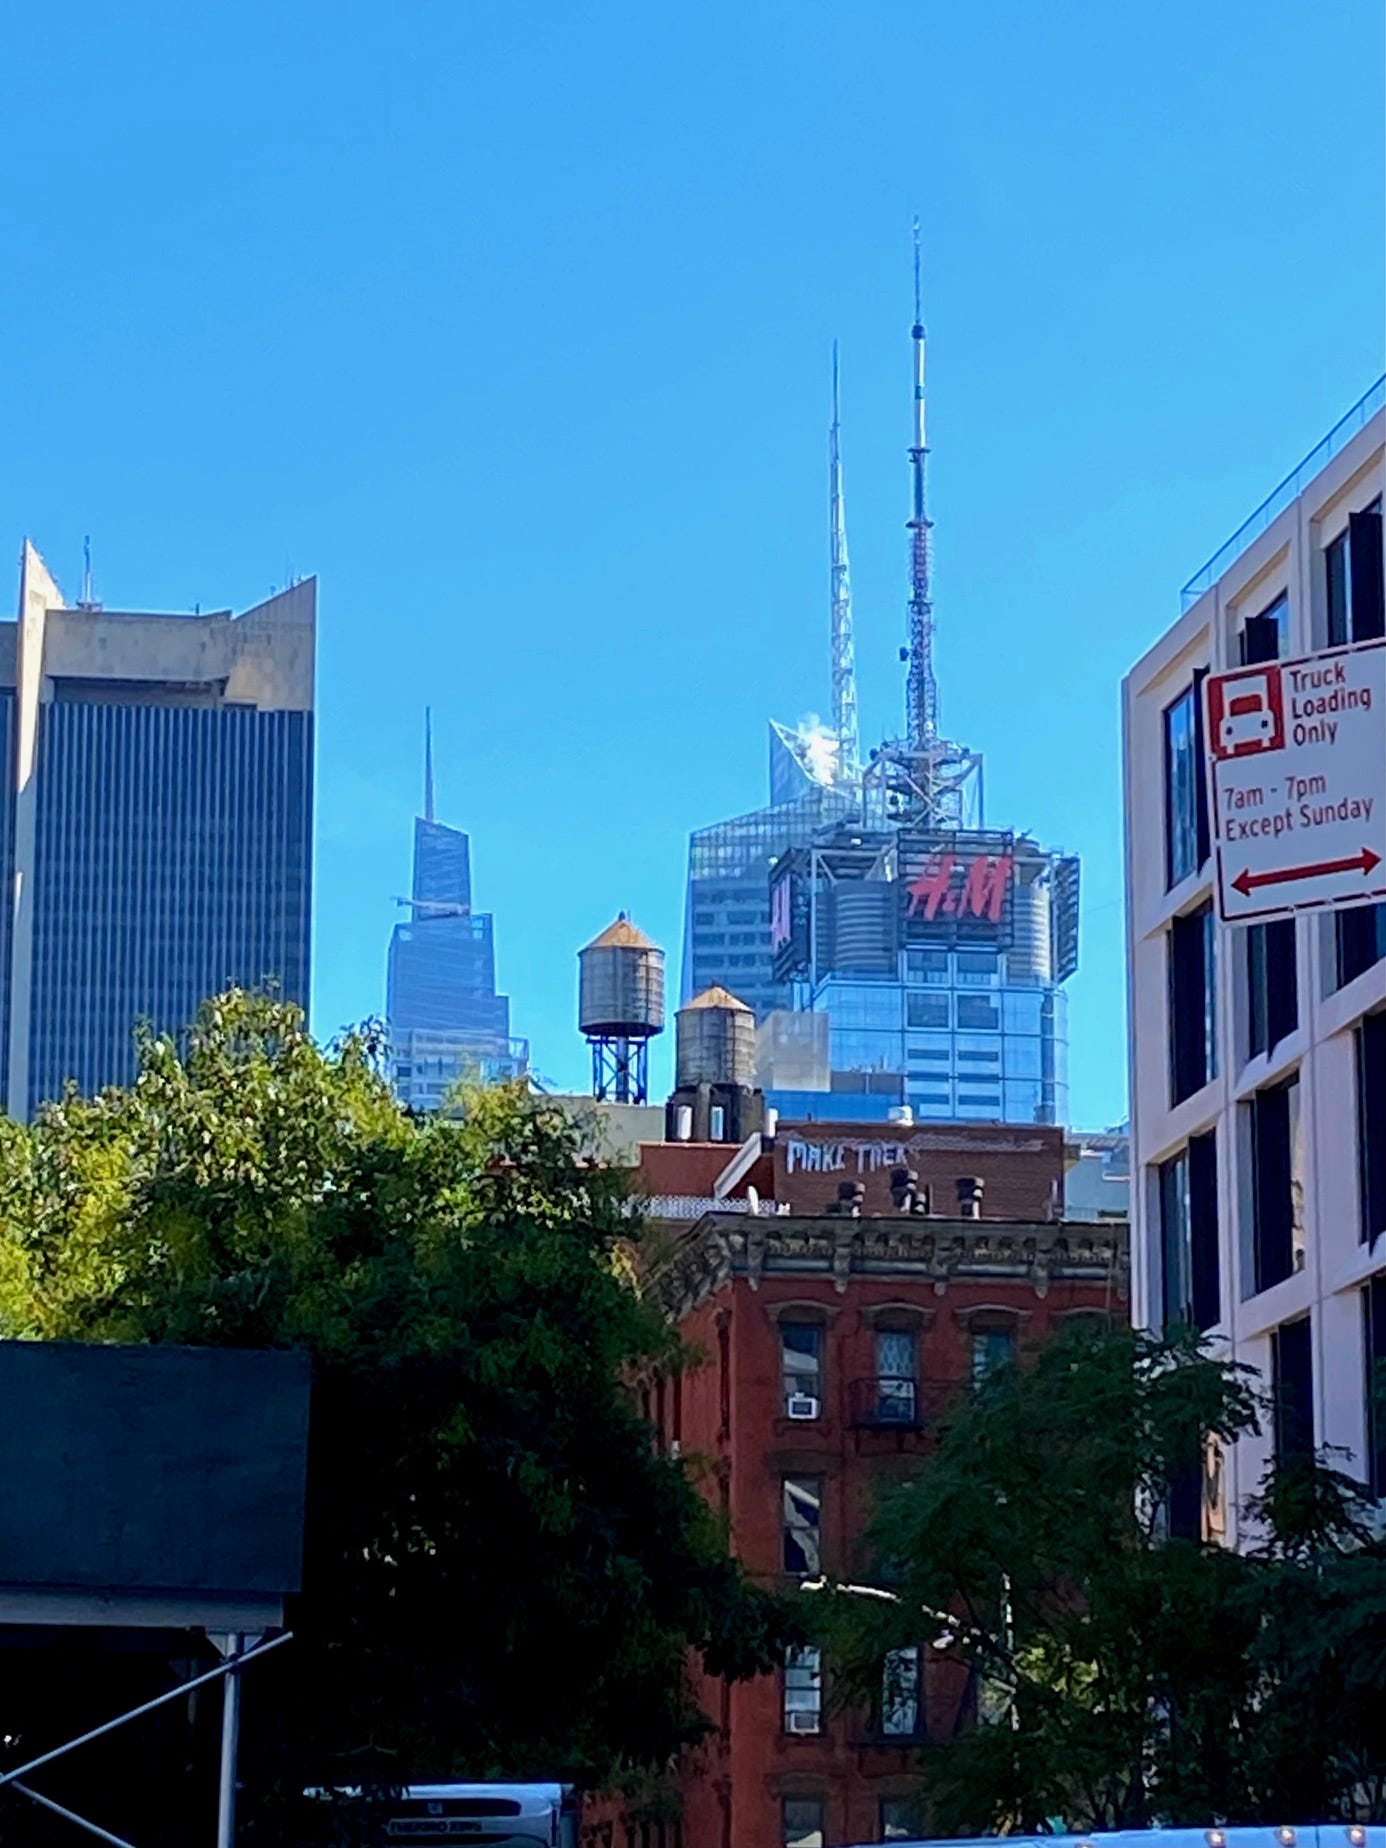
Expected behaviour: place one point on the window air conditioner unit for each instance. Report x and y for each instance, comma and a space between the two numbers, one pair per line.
801, 1405
805, 1722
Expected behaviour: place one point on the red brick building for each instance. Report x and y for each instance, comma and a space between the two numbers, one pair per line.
880, 1275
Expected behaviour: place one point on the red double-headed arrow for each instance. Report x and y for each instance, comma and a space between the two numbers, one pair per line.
1247, 882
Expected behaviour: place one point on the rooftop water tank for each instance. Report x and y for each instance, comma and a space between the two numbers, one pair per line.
621, 984
715, 1041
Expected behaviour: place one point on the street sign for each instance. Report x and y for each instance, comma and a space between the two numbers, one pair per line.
1297, 782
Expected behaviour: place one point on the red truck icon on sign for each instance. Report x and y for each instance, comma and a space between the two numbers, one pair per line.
1246, 713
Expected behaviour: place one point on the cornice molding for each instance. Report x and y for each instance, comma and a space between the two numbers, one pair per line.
934, 1251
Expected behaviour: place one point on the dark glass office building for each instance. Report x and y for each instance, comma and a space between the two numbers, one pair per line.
159, 815
446, 1020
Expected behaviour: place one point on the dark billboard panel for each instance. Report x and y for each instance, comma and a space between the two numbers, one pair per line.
152, 1469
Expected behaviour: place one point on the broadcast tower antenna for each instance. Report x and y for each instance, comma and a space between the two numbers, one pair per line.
844, 656
428, 763
921, 696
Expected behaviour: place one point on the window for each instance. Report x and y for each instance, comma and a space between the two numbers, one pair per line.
992, 1349
1292, 1390
1266, 637
1023, 1013
977, 967
900, 1694
978, 1013
900, 1820
1186, 800
1192, 1003
803, 1691
1353, 580
802, 1520
801, 1351
1272, 985
979, 1058
930, 966
1335, 570
1371, 1125
1359, 938
923, 1010
895, 1375
1184, 1498
1277, 1185
1374, 1359
802, 1819
1189, 1235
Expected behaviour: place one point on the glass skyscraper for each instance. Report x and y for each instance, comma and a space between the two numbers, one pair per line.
157, 825
726, 933
447, 1023
803, 909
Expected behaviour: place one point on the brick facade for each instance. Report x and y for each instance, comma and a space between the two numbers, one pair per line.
942, 1288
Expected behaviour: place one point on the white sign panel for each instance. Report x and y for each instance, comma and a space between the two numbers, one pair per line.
1297, 782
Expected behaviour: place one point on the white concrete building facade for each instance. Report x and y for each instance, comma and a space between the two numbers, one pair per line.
1258, 1053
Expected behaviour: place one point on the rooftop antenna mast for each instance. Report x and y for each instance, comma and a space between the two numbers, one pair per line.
844, 658
86, 601
921, 697
428, 763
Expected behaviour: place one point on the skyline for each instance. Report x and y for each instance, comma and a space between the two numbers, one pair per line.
538, 386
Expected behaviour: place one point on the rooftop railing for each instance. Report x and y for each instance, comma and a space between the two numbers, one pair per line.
1289, 489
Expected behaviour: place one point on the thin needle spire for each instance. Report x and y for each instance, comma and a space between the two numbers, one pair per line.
428, 763
922, 690
844, 657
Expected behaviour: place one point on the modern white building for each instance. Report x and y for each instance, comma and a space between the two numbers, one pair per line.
1258, 1053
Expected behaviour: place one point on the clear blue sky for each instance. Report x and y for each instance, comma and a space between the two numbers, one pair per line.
512, 322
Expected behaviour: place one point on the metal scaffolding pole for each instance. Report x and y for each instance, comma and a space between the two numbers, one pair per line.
238, 1657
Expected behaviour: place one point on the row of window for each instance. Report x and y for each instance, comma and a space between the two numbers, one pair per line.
1270, 981
732, 917
937, 968
1292, 1410
975, 1013
803, 1821
1355, 611
711, 966
892, 1399
1275, 1245
885, 1006
898, 1713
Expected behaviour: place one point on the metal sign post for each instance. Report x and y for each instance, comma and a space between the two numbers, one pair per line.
1296, 759
233, 1651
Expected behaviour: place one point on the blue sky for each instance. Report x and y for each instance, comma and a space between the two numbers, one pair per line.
513, 323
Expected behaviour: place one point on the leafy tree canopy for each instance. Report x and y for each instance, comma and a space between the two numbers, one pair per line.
501, 1577
1125, 1678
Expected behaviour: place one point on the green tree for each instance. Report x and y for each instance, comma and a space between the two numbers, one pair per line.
501, 1577
1125, 1678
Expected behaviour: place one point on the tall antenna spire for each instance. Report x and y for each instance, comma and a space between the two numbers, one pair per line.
428, 763
86, 601
844, 658
921, 697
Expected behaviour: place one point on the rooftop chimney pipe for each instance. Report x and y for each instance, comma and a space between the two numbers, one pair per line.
970, 1188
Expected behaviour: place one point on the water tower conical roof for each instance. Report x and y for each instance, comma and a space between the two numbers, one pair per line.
621, 934
717, 996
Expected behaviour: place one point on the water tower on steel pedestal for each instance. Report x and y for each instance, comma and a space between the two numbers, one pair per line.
620, 1009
